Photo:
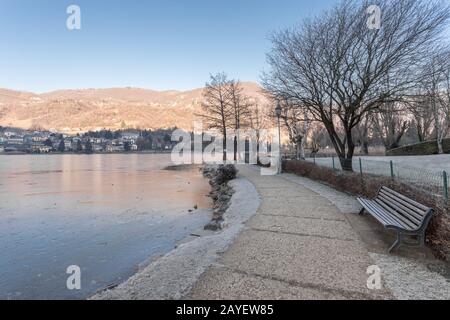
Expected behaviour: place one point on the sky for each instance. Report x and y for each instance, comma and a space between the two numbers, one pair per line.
154, 44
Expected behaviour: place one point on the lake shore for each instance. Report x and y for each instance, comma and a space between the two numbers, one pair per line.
173, 275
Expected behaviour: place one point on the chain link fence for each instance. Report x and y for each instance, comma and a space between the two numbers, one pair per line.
434, 182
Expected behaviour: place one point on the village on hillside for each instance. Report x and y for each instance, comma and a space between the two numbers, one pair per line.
19, 141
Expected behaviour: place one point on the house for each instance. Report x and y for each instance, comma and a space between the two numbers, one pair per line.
114, 148
68, 144
40, 148
130, 135
9, 134
14, 141
96, 141
97, 148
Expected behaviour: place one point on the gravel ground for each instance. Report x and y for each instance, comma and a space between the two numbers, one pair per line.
421, 278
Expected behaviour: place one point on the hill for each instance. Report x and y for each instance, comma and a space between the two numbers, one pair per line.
74, 111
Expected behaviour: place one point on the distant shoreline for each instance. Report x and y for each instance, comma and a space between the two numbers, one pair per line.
81, 154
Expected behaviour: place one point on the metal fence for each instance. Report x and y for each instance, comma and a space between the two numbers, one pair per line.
435, 182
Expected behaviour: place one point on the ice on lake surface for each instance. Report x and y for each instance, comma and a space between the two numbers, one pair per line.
103, 213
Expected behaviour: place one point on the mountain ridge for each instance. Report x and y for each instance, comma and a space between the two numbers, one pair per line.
80, 110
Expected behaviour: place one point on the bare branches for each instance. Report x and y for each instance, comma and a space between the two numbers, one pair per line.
225, 106
436, 92
339, 70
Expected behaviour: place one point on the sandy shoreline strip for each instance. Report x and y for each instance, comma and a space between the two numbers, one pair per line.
173, 275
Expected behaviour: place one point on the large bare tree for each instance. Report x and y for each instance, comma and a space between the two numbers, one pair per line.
337, 68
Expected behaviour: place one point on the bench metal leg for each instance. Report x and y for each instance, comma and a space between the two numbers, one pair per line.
362, 211
422, 239
396, 243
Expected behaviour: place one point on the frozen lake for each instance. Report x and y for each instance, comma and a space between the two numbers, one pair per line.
103, 213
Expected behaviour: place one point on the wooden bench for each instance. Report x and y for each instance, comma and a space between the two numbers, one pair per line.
400, 213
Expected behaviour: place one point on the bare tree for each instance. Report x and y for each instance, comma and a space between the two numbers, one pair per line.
297, 124
217, 106
391, 123
318, 138
363, 130
240, 109
337, 68
420, 109
437, 95
259, 120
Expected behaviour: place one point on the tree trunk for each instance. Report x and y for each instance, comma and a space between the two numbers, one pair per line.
224, 147
302, 150
297, 152
365, 148
235, 148
440, 147
346, 164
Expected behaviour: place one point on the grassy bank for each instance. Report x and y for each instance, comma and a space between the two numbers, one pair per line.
420, 149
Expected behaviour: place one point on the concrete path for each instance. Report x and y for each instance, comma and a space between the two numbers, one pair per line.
298, 246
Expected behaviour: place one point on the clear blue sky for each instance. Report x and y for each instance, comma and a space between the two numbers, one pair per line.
157, 44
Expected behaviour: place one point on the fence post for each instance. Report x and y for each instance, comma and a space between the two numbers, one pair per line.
334, 165
314, 159
360, 167
392, 169
445, 177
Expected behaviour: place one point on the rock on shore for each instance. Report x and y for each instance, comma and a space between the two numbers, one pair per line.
221, 193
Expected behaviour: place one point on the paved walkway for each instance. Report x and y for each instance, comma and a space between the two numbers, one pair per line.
298, 246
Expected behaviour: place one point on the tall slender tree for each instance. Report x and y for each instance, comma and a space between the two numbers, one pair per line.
240, 108
217, 111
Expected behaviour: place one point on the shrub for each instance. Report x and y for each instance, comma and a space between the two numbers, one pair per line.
225, 173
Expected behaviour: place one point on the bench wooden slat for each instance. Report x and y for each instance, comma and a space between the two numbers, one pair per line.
411, 201
419, 212
401, 209
405, 223
381, 216
392, 220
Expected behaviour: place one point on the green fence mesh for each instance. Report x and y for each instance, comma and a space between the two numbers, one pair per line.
428, 180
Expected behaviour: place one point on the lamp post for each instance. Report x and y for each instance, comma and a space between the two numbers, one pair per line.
278, 111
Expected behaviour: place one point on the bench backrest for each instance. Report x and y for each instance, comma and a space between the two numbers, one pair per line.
411, 213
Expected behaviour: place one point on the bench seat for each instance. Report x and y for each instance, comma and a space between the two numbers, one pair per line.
398, 212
